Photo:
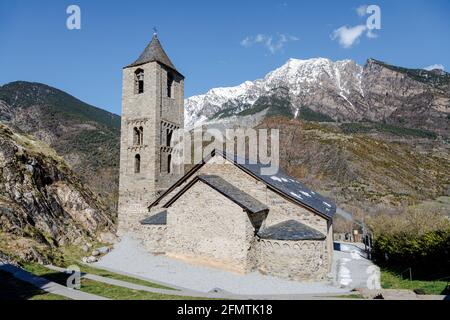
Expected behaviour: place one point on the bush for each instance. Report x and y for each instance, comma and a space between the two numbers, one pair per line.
413, 239
368, 127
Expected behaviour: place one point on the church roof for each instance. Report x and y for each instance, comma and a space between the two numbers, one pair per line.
242, 199
290, 230
154, 52
281, 183
286, 185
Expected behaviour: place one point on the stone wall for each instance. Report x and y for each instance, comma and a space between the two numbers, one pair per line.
294, 260
147, 110
301, 260
207, 228
154, 238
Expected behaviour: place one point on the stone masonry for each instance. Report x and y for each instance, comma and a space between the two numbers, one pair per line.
217, 225
156, 112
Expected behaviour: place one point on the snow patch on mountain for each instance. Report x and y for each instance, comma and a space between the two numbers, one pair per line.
303, 78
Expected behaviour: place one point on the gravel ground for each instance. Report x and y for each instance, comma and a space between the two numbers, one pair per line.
128, 256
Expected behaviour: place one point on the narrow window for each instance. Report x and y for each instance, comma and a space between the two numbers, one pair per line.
139, 81
169, 85
136, 137
137, 164
141, 136
169, 163
168, 137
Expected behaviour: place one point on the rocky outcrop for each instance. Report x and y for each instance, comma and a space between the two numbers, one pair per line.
86, 137
42, 202
399, 96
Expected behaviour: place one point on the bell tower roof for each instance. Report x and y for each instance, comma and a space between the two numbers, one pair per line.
154, 53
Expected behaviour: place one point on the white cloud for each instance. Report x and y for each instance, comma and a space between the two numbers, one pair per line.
347, 36
435, 66
269, 42
362, 10
371, 35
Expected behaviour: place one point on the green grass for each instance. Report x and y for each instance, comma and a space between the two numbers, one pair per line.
390, 280
49, 297
103, 289
12, 288
120, 293
116, 276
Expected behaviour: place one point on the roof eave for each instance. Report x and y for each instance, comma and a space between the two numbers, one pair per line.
133, 65
215, 152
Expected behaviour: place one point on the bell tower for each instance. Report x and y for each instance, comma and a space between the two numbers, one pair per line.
152, 109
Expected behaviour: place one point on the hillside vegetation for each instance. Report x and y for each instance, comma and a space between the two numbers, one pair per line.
43, 204
85, 136
366, 172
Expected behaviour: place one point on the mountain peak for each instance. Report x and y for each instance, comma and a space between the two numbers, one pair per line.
341, 90
300, 76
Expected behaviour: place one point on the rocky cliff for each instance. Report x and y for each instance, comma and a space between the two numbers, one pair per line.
43, 204
342, 91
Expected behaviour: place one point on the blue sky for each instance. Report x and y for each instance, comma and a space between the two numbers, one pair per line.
213, 43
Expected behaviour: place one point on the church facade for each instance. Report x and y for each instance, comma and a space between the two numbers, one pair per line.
221, 213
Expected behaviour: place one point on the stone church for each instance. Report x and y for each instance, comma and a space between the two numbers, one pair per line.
221, 214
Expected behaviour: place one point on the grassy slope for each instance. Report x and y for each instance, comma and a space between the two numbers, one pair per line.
102, 289
390, 280
36, 93
71, 255
361, 170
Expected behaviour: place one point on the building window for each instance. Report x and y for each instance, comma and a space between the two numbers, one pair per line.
137, 164
169, 133
138, 136
141, 135
139, 81
169, 163
169, 85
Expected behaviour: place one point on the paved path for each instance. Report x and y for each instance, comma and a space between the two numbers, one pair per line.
48, 286
351, 268
128, 256
191, 293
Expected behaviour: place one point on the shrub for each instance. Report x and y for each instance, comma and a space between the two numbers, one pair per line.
413, 239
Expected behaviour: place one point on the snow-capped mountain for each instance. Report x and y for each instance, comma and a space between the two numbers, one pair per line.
302, 77
341, 90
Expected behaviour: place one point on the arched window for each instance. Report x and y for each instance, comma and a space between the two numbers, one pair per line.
141, 136
169, 84
169, 163
169, 133
139, 81
137, 164
136, 136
